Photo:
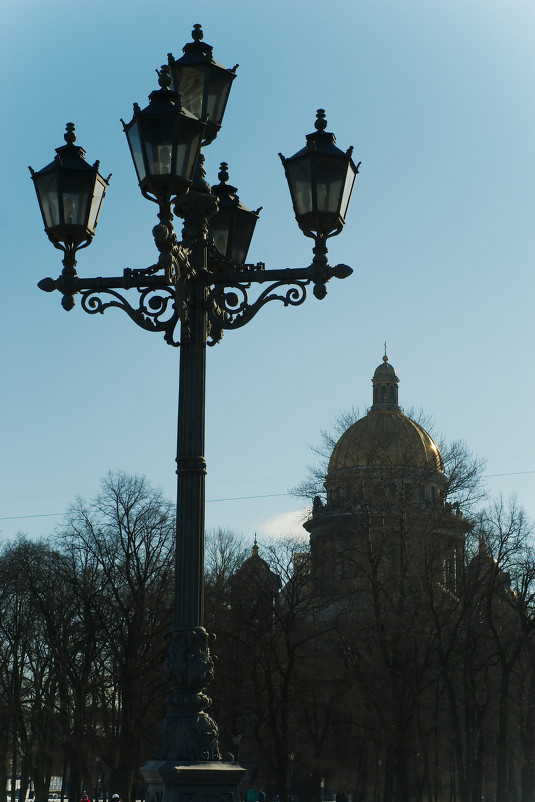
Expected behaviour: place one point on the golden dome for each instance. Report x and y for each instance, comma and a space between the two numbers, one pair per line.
385, 436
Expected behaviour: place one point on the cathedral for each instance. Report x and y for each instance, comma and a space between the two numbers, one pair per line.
385, 519
386, 501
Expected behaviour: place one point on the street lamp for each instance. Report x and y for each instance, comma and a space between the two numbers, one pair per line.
70, 193
321, 179
198, 288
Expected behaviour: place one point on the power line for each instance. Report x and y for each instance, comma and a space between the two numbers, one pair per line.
208, 501
244, 498
515, 473
42, 515
235, 498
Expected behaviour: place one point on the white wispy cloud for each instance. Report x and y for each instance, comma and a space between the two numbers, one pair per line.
287, 524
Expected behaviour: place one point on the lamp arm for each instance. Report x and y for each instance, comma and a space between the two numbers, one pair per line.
228, 305
157, 309
163, 297
129, 280
314, 272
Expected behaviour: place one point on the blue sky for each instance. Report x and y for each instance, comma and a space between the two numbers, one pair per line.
437, 97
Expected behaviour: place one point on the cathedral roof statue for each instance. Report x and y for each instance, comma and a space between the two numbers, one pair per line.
385, 436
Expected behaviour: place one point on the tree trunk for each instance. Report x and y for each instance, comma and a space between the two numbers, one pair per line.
528, 745
501, 743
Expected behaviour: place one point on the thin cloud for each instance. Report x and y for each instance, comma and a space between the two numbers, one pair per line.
287, 524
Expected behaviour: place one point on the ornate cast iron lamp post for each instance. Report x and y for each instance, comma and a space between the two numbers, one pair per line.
200, 286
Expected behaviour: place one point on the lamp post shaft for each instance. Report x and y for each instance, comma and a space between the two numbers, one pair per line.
191, 467
187, 763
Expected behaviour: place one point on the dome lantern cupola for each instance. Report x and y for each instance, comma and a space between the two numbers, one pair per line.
385, 387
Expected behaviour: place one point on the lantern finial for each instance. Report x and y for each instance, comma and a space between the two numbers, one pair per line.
165, 79
197, 33
321, 122
223, 173
69, 136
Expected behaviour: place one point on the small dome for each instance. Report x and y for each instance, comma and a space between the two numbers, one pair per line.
385, 436
385, 369
257, 571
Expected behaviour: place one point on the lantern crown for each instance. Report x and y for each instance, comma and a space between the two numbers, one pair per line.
70, 150
196, 50
69, 156
322, 140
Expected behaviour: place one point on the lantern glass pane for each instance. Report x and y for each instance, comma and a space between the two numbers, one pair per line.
158, 135
329, 179
219, 229
76, 191
244, 224
299, 178
47, 192
232, 230
96, 203
137, 153
348, 189
217, 95
187, 148
191, 89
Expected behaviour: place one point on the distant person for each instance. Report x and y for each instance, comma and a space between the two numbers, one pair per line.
85, 798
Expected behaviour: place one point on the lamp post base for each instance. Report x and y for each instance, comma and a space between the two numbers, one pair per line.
202, 781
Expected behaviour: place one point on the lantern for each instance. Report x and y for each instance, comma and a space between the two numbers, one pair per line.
233, 226
165, 142
202, 83
70, 193
321, 179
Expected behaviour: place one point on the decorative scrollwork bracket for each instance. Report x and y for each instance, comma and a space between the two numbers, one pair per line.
228, 304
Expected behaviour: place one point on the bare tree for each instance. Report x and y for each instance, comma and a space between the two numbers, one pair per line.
266, 644
505, 567
225, 552
31, 597
125, 535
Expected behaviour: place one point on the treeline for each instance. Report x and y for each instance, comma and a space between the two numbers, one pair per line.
415, 692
